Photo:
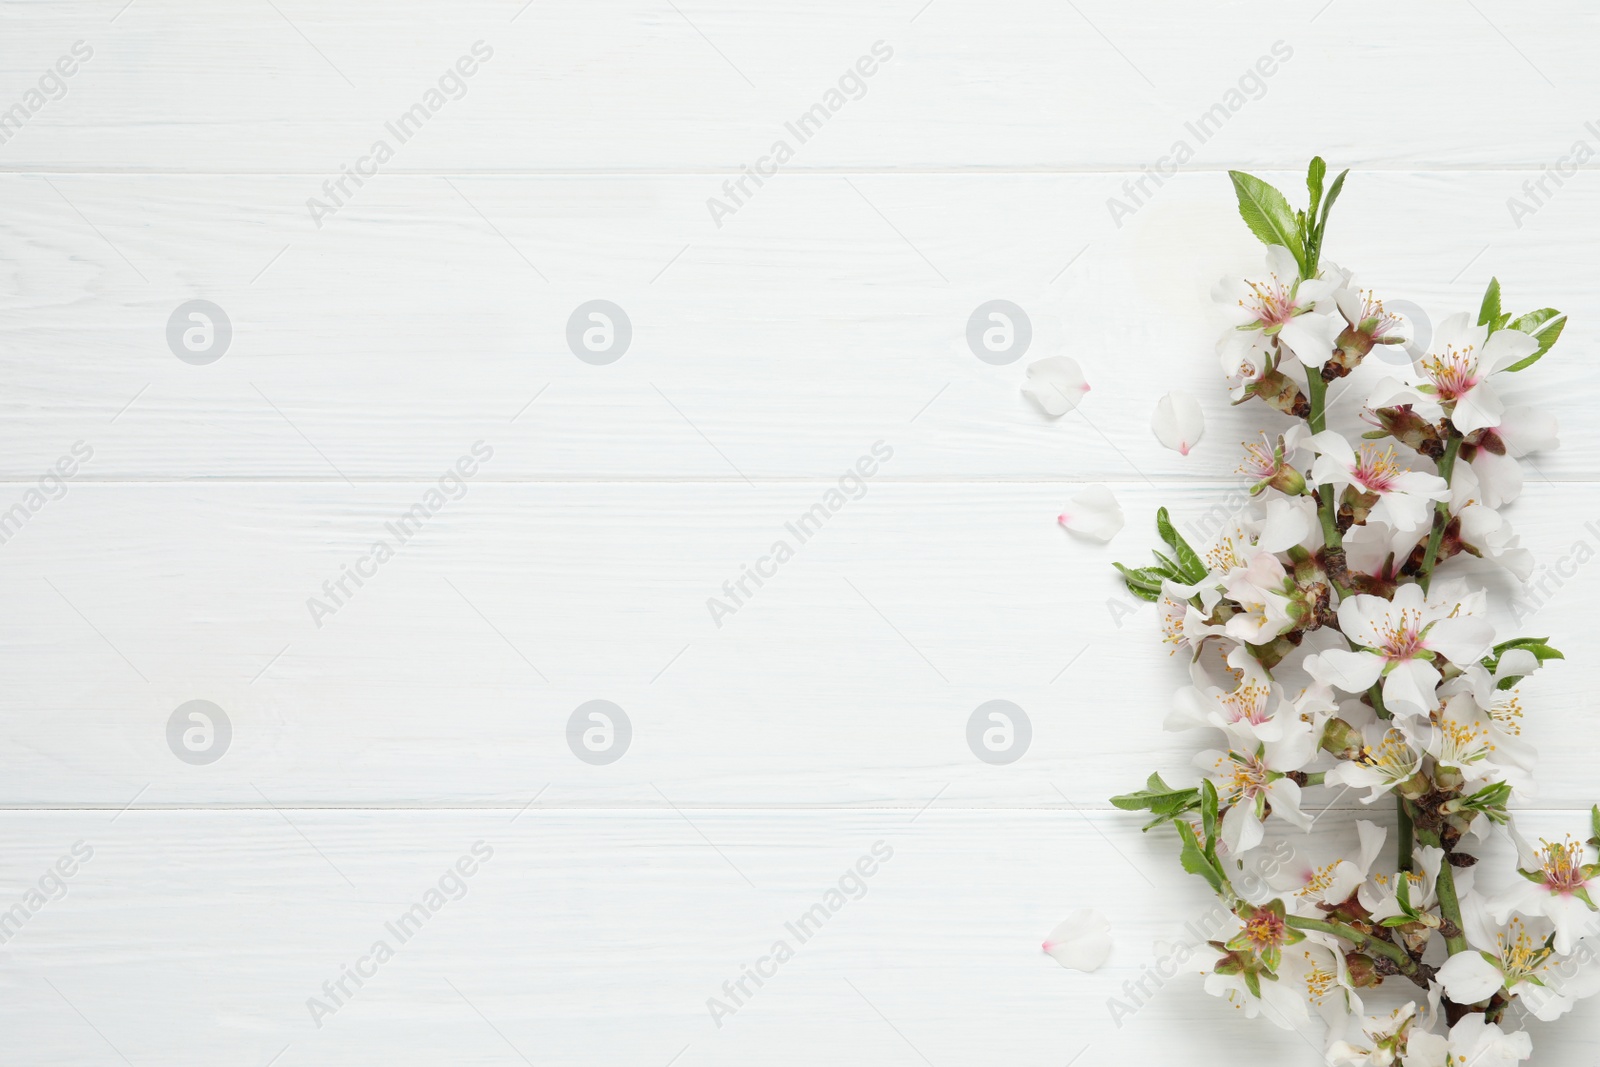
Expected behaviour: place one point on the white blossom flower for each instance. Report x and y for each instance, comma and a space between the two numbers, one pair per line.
1252, 782
1461, 360
1332, 882
1249, 715
1476, 1042
1399, 641
1387, 759
1381, 895
1406, 498
1518, 956
1556, 884
1299, 314
1373, 1040
1463, 736
1366, 314
1260, 588
1500, 714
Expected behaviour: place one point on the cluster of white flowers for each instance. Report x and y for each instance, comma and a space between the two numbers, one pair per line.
1338, 639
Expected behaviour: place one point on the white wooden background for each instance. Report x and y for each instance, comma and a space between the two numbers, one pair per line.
768, 354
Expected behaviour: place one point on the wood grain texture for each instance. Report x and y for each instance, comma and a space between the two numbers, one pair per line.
778, 347
825, 313
599, 937
448, 678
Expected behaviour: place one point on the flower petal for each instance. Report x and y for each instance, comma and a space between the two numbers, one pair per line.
1178, 422
1081, 941
1468, 978
1093, 513
1055, 384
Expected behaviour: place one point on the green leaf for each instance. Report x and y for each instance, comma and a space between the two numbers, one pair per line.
1594, 824
1144, 583
1167, 566
1544, 326
1194, 859
1402, 895
1266, 211
1252, 982
1191, 569
1160, 799
1327, 205
1314, 175
1489, 310
1208, 815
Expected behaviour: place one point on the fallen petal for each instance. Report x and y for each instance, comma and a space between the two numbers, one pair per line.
1178, 422
1056, 384
1093, 513
1081, 941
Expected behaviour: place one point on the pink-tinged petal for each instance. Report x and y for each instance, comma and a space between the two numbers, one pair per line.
1081, 941
1094, 513
1055, 384
1178, 422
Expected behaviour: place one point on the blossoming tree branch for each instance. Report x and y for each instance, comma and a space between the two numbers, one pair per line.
1346, 583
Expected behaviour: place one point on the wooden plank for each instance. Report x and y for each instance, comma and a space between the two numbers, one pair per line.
625, 84
200, 937
779, 347
450, 675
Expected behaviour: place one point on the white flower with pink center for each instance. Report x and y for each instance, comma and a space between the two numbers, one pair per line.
1366, 313
1277, 307
1400, 641
1557, 884
1255, 783
1406, 497
1454, 378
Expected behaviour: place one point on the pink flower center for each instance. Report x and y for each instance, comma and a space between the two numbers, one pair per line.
1563, 866
1246, 704
1403, 639
1454, 373
1247, 778
1270, 302
1372, 308
1375, 470
1260, 459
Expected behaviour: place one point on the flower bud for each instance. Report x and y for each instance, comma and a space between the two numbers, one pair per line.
1416, 787
1279, 391
1363, 970
1409, 428
1341, 739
